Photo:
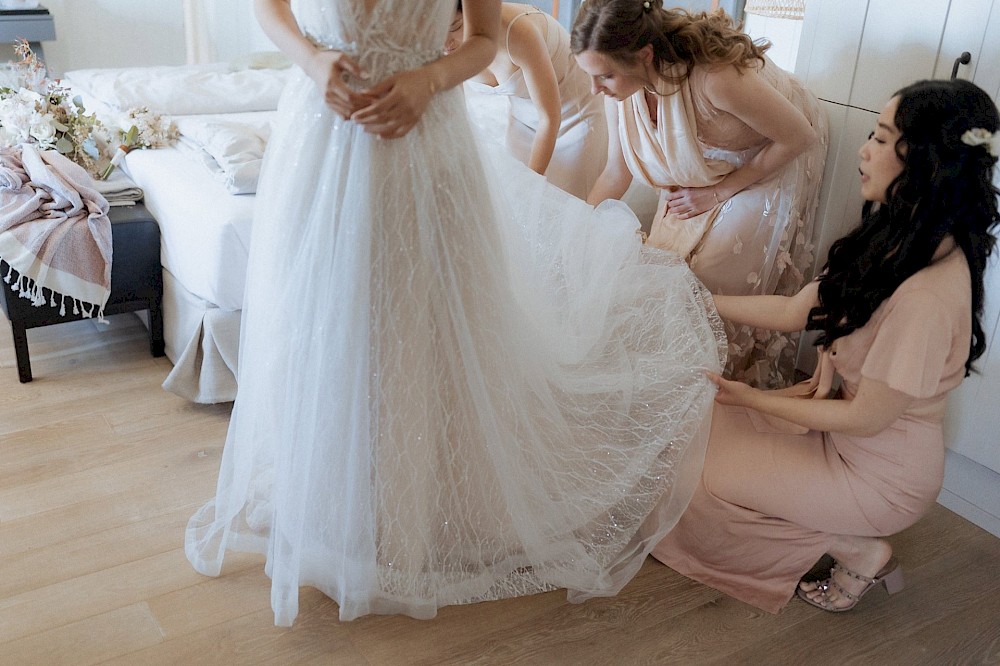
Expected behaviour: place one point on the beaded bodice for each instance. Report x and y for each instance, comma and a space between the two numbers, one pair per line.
385, 38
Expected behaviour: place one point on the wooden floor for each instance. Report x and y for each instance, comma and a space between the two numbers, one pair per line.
100, 470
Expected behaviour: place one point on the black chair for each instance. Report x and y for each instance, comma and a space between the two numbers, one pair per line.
136, 284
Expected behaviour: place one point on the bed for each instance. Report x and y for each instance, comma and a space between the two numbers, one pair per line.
201, 191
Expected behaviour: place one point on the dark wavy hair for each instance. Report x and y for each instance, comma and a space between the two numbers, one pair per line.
945, 189
619, 28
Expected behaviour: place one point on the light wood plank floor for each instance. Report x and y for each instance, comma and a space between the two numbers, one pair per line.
100, 470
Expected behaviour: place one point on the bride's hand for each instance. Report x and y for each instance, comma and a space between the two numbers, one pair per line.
330, 70
400, 102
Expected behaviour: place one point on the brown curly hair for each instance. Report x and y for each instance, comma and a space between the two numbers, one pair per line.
680, 39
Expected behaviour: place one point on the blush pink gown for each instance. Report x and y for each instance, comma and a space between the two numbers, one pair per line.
758, 241
769, 504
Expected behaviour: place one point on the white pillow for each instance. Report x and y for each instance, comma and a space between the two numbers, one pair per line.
183, 89
231, 149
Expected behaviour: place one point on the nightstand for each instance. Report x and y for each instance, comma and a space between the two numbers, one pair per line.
35, 25
136, 284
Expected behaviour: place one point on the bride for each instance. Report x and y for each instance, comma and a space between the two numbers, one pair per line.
448, 393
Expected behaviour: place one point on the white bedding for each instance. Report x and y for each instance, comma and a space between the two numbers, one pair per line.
182, 90
205, 239
205, 230
231, 147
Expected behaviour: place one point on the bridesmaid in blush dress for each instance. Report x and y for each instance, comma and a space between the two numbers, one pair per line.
790, 476
554, 123
734, 145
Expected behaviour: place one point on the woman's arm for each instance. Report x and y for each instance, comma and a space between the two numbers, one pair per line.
616, 177
787, 314
753, 100
402, 98
527, 49
746, 95
872, 410
327, 68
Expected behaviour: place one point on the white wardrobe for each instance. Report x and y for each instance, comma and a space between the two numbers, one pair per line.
854, 54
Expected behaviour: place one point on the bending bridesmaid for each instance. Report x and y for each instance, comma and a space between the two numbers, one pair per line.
898, 308
555, 125
735, 145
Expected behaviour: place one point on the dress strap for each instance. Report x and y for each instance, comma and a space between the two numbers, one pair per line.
511, 25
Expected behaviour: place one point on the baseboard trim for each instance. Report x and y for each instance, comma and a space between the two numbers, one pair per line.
972, 491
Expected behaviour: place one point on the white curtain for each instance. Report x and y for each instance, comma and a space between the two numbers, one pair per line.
196, 32
218, 30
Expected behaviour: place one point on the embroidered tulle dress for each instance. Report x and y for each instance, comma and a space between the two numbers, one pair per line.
450, 388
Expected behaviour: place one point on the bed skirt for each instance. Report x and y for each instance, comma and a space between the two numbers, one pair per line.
202, 341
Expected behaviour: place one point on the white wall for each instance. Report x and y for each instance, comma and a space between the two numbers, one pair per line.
112, 33
783, 34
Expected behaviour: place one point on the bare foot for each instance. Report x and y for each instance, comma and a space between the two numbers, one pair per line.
865, 556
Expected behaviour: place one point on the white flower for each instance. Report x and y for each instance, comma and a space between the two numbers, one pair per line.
8, 138
28, 98
40, 111
43, 131
979, 136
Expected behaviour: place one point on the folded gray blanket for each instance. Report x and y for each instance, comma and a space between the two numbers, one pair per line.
119, 189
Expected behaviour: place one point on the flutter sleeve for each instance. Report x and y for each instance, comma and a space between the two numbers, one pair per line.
913, 344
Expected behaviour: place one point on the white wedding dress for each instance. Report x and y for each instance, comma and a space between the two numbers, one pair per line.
449, 391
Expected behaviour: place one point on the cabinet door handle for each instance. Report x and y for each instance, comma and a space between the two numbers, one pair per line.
963, 59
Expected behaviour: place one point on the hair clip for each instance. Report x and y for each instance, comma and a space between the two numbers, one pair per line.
979, 136
646, 6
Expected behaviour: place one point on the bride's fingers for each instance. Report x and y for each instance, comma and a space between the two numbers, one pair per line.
379, 118
389, 120
351, 66
341, 95
376, 112
340, 107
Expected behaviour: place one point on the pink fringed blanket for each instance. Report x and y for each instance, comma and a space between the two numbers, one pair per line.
54, 230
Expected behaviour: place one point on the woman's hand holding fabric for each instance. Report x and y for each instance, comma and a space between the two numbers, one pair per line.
732, 393
688, 202
400, 101
330, 70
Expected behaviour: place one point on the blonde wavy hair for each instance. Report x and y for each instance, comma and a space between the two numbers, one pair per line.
680, 39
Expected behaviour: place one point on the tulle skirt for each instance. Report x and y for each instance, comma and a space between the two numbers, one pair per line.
457, 383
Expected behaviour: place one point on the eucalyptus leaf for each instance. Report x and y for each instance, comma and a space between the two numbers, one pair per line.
64, 146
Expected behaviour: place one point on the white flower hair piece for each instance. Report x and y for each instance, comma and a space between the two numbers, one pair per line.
978, 136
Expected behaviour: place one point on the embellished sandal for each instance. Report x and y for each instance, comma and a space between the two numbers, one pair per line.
891, 576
